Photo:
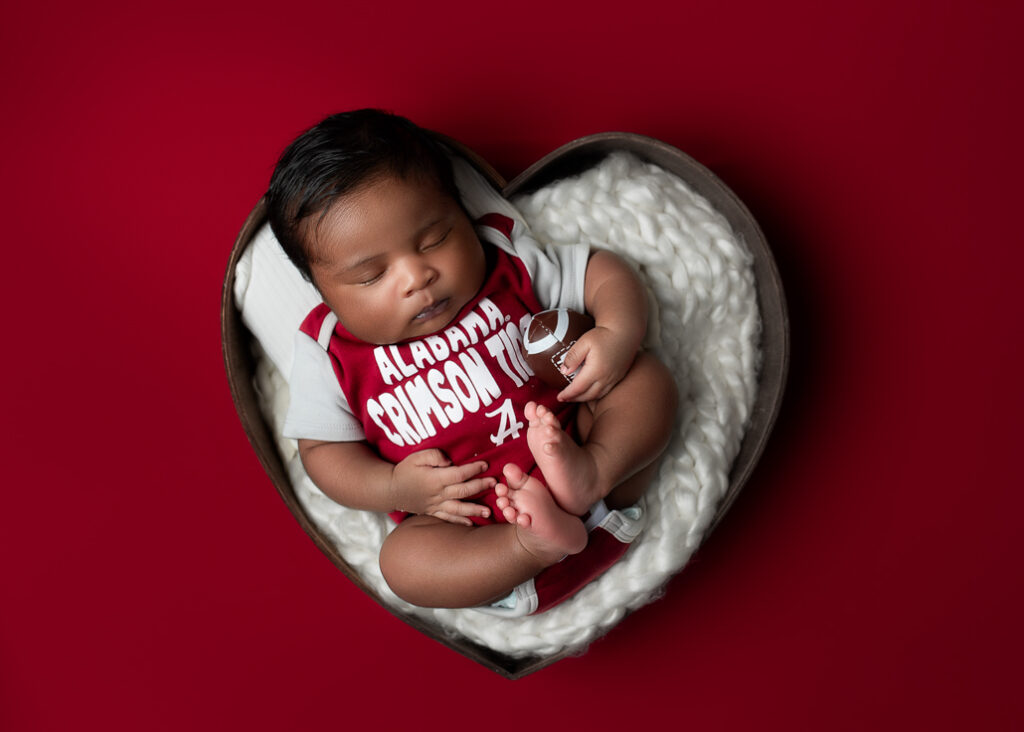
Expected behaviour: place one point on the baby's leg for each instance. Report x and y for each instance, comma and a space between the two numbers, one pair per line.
433, 563
629, 427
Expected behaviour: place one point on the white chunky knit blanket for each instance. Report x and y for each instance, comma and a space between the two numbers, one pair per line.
705, 325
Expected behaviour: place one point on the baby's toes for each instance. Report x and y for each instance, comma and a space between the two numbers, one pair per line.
514, 475
547, 417
553, 433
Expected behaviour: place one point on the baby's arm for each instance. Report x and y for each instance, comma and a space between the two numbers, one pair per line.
631, 395
425, 482
615, 298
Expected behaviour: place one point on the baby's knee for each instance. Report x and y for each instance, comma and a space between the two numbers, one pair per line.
655, 381
410, 557
396, 567
646, 399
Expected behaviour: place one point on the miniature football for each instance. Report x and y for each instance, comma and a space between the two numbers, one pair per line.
548, 337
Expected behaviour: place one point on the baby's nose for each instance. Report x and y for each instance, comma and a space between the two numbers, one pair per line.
420, 275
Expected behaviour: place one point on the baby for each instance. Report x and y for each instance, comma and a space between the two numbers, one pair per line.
409, 394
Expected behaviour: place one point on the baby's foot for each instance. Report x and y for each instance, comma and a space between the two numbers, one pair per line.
543, 529
569, 470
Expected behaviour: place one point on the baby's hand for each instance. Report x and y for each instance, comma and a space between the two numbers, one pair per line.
606, 358
427, 483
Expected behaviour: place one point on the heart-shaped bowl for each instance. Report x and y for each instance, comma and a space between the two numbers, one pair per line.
569, 160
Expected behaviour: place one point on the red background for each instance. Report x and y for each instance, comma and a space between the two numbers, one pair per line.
868, 577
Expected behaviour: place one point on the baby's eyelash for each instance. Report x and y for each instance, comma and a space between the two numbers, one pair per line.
371, 280
439, 241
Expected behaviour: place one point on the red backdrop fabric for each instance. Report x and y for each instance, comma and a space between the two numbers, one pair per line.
868, 576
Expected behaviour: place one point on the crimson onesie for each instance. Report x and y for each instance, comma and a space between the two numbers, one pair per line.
461, 390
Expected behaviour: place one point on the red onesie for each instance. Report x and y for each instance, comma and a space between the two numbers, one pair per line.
461, 390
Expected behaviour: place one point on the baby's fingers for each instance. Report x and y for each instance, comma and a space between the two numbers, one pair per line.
581, 387
575, 388
452, 519
468, 488
576, 355
461, 473
460, 511
583, 390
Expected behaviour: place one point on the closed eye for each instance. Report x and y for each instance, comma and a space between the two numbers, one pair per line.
437, 242
370, 279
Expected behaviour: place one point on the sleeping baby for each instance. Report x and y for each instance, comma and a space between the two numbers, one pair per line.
409, 393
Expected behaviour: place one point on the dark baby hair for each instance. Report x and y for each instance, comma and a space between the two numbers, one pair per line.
342, 153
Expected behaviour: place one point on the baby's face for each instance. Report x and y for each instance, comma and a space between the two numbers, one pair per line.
396, 260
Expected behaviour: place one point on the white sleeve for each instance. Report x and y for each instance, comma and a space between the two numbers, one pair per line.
558, 271
318, 409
